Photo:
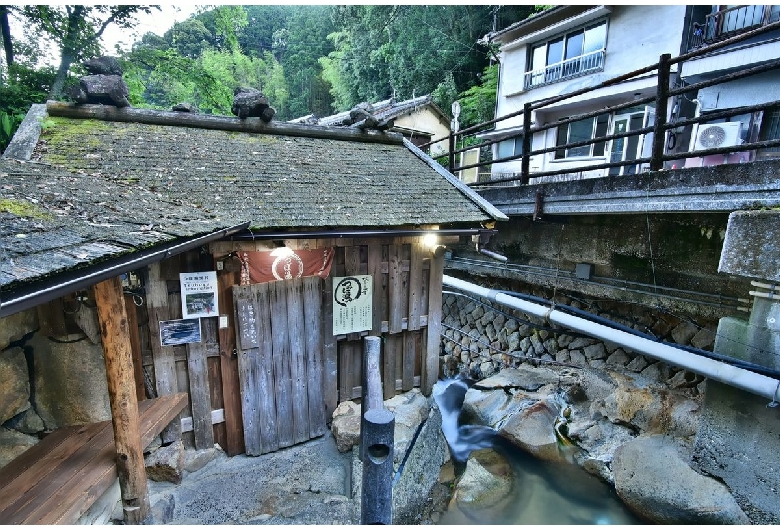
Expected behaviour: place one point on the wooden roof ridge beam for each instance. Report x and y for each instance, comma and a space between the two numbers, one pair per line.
225, 123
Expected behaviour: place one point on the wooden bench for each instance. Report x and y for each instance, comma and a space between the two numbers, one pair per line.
58, 479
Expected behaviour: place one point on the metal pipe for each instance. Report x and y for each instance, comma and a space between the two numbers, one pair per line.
752, 382
249, 235
494, 255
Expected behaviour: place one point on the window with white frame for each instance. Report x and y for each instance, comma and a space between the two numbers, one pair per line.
581, 130
510, 147
575, 53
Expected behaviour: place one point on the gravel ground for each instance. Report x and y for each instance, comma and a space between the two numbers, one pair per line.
304, 484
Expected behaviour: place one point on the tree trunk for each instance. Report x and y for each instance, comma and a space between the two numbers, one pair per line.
115, 334
5, 29
69, 52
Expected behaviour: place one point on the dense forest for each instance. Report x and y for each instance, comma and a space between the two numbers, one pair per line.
314, 59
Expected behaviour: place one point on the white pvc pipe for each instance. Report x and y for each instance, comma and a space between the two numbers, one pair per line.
725, 373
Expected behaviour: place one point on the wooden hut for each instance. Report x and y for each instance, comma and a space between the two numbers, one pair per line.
228, 268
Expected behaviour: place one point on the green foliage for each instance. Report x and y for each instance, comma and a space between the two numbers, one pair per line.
229, 21
76, 30
189, 38
342, 91
307, 59
445, 93
478, 103
20, 87
409, 50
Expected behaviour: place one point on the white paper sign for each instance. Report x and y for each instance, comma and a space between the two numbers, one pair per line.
198, 294
352, 304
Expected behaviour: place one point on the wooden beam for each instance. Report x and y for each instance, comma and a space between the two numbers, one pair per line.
416, 302
200, 397
164, 361
226, 123
114, 332
430, 364
330, 381
135, 345
231, 388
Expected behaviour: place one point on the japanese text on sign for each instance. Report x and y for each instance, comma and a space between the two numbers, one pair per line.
352, 307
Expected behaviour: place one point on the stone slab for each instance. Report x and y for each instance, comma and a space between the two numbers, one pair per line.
752, 245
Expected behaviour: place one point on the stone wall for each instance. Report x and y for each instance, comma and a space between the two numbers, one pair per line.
480, 338
47, 381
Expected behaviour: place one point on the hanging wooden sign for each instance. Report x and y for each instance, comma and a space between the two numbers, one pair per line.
352, 304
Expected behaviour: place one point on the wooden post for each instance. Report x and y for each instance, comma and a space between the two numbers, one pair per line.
661, 109
430, 365
163, 356
135, 347
231, 389
525, 166
114, 331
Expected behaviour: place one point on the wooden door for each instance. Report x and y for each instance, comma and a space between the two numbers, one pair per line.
279, 337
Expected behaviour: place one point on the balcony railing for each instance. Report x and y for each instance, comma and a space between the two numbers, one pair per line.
584, 64
729, 22
653, 159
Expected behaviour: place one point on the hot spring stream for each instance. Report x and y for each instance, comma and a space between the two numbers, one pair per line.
541, 493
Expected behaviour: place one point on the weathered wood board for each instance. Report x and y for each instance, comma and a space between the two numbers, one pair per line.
280, 342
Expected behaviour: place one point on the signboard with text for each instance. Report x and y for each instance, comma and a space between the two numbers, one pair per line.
198, 294
352, 307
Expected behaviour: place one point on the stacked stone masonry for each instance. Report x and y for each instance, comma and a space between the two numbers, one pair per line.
479, 338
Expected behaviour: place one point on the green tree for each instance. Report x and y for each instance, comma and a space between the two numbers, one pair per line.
409, 50
478, 103
5, 32
189, 38
76, 30
305, 41
230, 20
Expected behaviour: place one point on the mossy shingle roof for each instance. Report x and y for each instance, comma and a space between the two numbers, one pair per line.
97, 188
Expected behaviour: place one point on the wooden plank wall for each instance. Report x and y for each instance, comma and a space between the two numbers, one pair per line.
402, 279
207, 370
405, 286
280, 369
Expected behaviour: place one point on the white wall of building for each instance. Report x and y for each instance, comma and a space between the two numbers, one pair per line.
636, 37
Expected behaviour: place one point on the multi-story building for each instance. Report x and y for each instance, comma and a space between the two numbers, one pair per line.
570, 48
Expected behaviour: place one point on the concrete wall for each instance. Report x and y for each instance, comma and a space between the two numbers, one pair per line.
658, 260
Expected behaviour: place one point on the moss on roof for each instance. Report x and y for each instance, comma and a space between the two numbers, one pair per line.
273, 181
96, 189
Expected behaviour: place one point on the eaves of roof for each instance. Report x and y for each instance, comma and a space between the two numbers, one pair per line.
536, 22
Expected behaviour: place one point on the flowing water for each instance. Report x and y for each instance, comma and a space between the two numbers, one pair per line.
542, 492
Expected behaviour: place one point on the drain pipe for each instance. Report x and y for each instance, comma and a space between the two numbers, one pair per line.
746, 380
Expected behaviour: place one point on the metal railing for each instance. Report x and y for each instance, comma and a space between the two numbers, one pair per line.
729, 22
570, 68
665, 95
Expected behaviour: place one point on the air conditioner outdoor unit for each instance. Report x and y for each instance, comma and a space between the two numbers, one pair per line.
712, 135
